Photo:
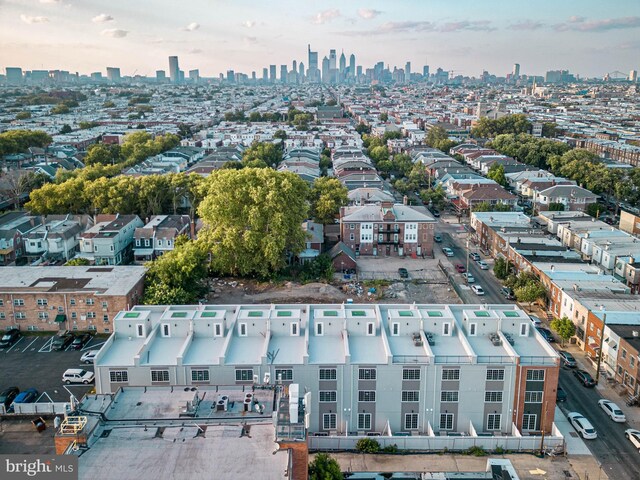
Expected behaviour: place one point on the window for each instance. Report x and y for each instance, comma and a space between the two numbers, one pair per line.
18, 302
535, 375
329, 421
367, 374
243, 330
410, 421
245, 375
294, 329
42, 302
451, 396
105, 318
529, 421
366, 396
72, 302
472, 329
370, 328
446, 328
118, 376
410, 396
451, 374
352, 226
495, 374
632, 362
217, 329
524, 329
411, 374
21, 315
166, 330
327, 396
395, 329
202, 375
493, 397
137, 242
493, 421
446, 421
105, 304
60, 309
327, 374
1, 302
2, 316
319, 329
364, 421
285, 374
140, 328
147, 242
159, 375
533, 397
159, 243
90, 301
43, 315
624, 353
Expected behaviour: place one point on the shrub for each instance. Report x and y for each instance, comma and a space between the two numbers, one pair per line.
476, 451
368, 445
390, 449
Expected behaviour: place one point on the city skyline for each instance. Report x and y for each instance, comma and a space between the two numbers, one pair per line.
467, 38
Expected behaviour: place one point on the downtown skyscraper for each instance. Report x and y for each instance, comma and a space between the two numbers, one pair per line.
174, 70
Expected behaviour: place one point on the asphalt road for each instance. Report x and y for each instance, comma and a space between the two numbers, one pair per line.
619, 459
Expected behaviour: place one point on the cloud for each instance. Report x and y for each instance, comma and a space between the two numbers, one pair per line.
250, 40
102, 18
249, 23
114, 33
325, 16
368, 13
31, 20
193, 26
411, 26
581, 24
195, 51
51, 2
476, 26
526, 25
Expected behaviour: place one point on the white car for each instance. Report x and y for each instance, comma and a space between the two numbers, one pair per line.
483, 265
535, 320
612, 410
469, 278
634, 437
582, 426
477, 289
89, 357
77, 375
447, 251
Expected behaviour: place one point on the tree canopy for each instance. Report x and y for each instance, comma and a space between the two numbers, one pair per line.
326, 197
564, 327
18, 141
491, 207
324, 467
510, 124
267, 153
496, 173
437, 137
529, 149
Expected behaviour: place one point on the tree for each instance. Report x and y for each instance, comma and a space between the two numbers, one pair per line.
18, 141
23, 115
514, 124
86, 125
66, 129
491, 207
361, 128
564, 327
556, 207
496, 173
60, 109
253, 219
77, 262
530, 292
326, 197
435, 196
324, 467
367, 445
266, 152
384, 117
319, 269
594, 209
379, 154
281, 134
501, 268
549, 129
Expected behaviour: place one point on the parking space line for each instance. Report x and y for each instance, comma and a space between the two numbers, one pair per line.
93, 347
47, 346
14, 345
25, 348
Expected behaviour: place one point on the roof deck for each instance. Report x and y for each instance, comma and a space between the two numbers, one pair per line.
367, 349
245, 350
122, 351
204, 351
327, 349
163, 351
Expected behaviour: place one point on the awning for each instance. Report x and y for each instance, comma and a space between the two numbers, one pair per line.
61, 318
6, 251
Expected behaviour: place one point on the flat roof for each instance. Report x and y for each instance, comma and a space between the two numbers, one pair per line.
204, 351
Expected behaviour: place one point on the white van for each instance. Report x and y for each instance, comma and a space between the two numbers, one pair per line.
77, 375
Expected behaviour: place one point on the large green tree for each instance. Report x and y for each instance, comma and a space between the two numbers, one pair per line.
488, 128
253, 219
326, 197
323, 467
18, 141
492, 207
268, 153
496, 173
564, 327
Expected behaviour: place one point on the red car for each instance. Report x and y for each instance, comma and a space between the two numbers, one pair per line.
460, 268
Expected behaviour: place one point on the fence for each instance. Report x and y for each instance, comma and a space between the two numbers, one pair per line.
53, 408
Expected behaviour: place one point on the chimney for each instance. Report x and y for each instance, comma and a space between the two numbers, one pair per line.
635, 333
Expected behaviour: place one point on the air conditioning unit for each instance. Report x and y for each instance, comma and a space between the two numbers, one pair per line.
256, 379
267, 378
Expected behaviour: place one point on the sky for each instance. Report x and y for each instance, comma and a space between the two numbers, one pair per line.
588, 37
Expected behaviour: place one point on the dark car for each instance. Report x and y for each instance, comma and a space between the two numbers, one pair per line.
437, 238
8, 395
546, 334
403, 273
585, 378
561, 395
508, 293
28, 396
435, 213
567, 359
60, 342
81, 340
9, 338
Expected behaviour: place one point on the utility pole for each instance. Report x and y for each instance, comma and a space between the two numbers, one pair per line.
467, 277
604, 324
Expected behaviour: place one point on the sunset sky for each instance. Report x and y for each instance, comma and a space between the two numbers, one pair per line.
589, 37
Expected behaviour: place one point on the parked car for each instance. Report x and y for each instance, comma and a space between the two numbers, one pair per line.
89, 357
62, 341
460, 268
477, 289
28, 396
585, 378
546, 334
403, 273
437, 238
435, 213
77, 375
508, 293
483, 265
535, 320
469, 278
474, 256
567, 359
81, 340
612, 410
582, 426
10, 337
8, 395
633, 436
447, 251
561, 395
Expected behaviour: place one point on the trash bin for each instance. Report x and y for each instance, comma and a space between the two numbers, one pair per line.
40, 424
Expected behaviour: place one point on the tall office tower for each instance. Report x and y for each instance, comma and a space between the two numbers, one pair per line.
407, 72
253, 75
425, 72
332, 59
113, 74
231, 76
313, 74
301, 71
194, 75
174, 70
180, 76
295, 66
161, 76
377, 71
95, 77
326, 71
343, 63
359, 71
265, 75
633, 76
14, 75
272, 73
283, 73
516, 71
352, 65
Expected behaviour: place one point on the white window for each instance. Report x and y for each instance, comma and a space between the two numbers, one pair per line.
410, 421
21, 315
524, 329
327, 396
395, 329
533, 397
159, 375
371, 328
137, 242
91, 314
451, 374
446, 329
352, 237
493, 397
18, 302
118, 376
446, 421
284, 374
147, 242
90, 301
166, 330
410, 396
367, 374
42, 302
43, 315
159, 243
105, 318
366, 396
411, 374
217, 329
294, 329
529, 421
244, 375
72, 302
319, 328
535, 375
140, 328
493, 421
105, 304
243, 330
2, 316
472, 329
364, 421
495, 374
449, 397
327, 374
1, 302
200, 375
329, 421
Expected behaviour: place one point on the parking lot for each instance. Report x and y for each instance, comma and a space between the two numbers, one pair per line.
31, 363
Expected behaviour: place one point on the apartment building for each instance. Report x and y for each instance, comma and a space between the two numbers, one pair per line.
387, 230
13, 228
158, 236
74, 298
57, 239
411, 369
110, 240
